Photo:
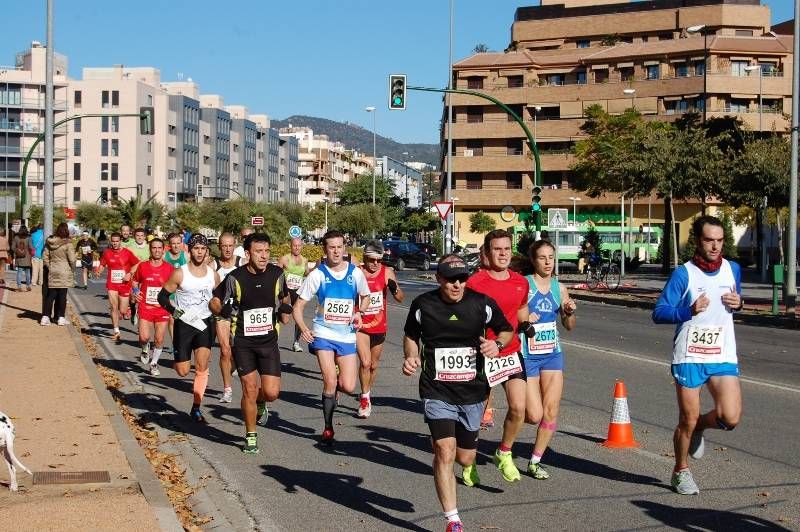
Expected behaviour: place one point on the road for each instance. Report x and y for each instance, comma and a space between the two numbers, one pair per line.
378, 475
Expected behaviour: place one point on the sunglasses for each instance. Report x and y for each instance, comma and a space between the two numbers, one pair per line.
371, 259
461, 278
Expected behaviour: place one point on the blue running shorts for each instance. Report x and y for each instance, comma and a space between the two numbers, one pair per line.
535, 364
340, 349
694, 375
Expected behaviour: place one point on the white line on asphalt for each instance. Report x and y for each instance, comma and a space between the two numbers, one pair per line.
641, 358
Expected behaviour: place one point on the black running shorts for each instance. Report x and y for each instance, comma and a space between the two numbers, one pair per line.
188, 338
265, 358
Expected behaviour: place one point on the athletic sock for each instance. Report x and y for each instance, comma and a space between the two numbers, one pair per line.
536, 458
155, 354
504, 448
452, 515
116, 329
365, 395
199, 385
328, 406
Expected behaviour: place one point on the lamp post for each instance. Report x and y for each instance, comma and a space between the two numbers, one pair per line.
574, 210
405, 177
760, 93
632, 94
325, 200
764, 259
371, 109
453, 199
697, 29
536, 110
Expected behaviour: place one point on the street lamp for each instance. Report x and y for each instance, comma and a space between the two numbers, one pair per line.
760, 92
697, 29
764, 265
632, 94
326, 200
536, 110
453, 200
405, 177
574, 210
372, 110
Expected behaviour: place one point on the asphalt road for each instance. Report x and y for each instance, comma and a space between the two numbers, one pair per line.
378, 475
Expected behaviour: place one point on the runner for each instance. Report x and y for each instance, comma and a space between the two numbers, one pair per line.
119, 262
125, 233
541, 349
339, 287
510, 291
372, 335
255, 297
240, 251
445, 335
700, 297
85, 248
295, 268
148, 279
225, 264
175, 256
192, 285
139, 248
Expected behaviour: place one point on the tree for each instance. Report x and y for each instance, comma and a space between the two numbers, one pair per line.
357, 220
188, 216
138, 213
36, 216
480, 223
419, 221
480, 48
276, 225
91, 216
226, 216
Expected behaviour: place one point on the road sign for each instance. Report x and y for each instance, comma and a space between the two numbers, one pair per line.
557, 218
295, 231
256, 220
508, 213
443, 207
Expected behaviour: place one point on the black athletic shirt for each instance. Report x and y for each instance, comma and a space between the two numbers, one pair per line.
433, 323
252, 291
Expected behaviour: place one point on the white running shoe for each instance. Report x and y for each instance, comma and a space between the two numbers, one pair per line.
62, 321
154, 370
683, 483
227, 396
364, 407
297, 348
144, 356
697, 445
45, 321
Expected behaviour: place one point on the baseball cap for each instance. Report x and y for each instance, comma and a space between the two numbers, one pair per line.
374, 249
452, 269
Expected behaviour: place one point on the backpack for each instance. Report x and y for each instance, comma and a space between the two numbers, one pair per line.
21, 251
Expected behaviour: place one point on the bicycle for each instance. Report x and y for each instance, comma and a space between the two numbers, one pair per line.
603, 271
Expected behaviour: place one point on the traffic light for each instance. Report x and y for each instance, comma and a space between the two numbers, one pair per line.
536, 207
397, 92
146, 125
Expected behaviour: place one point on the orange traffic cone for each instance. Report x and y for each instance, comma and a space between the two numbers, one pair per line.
620, 430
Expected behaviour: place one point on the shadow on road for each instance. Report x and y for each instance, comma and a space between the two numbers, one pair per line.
587, 467
344, 490
293, 369
704, 518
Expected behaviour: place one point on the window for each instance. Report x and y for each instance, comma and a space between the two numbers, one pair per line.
554, 79
514, 147
626, 74
76, 147
76, 171
104, 124
115, 147
104, 99
474, 180
114, 98
739, 106
149, 170
580, 77
738, 68
699, 67
474, 83
474, 114
651, 71
103, 171
114, 193
104, 147
150, 147
476, 146
76, 125
514, 180
77, 98
744, 33
149, 99
582, 43
601, 76
171, 174
114, 124
235, 148
515, 82
518, 109
114, 171
681, 70
76, 194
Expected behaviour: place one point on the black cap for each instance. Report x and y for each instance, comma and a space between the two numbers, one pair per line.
452, 269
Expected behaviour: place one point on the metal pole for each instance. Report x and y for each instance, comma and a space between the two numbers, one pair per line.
374, 152
790, 291
556, 252
622, 235
705, 73
630, 230
649, 228
48, 127
448, 230
764, 255
760, 101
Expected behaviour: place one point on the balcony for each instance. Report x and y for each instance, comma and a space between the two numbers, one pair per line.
551, 160
493, 127
38, 153
8, 125
34, 103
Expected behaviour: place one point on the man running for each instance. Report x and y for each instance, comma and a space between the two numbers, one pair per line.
254, 299
175, 255
119, 262
295, 268
139, 248
192, 285
700, 297
225, 264
149, 278
510, 291
125, 234
85, 248
339, 287
240, 251
372, 335
445, 335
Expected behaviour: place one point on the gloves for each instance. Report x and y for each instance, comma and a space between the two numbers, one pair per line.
177, 313
392, 286
228, 309
527, 329
285, 308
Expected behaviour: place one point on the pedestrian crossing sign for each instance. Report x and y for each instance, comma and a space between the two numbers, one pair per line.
557, 218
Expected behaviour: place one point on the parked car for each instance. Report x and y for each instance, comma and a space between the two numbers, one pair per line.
400, 254
430, 249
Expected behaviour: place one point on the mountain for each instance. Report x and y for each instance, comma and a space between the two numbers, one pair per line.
355, 136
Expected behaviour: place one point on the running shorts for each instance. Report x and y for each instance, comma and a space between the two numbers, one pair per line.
266, 359
553, 362
188, 338
694, 375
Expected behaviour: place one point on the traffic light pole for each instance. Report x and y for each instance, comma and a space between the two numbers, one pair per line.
531, 140
40, 138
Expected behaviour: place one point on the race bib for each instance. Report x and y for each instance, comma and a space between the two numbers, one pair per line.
117, 276
86, 250
375, 303
151, 295
499, 369
257, 321
704, 341
545, 339
455, 364
293, 281
337, 311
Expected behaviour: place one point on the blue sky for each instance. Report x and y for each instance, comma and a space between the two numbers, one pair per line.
327, 58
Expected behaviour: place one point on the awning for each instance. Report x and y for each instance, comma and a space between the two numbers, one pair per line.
650, 63
681, 60
744, 96
473, 74
625, 65
543, 105
769, 59
517, 72
672, 98
599, 67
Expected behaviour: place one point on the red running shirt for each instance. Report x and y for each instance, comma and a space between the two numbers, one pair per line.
374, 316
118, 263
510, 294
151, 279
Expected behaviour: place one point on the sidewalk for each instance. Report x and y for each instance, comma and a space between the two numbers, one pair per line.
66, 422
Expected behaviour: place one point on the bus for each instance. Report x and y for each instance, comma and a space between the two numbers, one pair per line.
642, 244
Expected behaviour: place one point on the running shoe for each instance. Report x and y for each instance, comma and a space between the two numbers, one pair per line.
154, 371
297, 348
364, 407
469, 474
196, 415
144, 357
45, 321
327, 437
227, 395
454, 526
697, 445
62, 321
505, 464
488, 419
127, 314
250, 443
683, 483
115, 336
537, 471
262, 414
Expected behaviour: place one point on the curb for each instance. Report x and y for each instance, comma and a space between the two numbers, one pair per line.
149, 484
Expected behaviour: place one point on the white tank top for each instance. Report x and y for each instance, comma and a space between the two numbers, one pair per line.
708, 337
194, 293
223, 271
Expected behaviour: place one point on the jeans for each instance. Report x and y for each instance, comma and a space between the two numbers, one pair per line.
36, 267
23, 270
59, 297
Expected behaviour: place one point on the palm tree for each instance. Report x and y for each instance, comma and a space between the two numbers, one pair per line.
138, 213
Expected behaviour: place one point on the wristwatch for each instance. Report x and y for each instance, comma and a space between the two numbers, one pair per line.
499, 345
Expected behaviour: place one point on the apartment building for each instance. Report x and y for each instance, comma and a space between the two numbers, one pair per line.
406, 180
22, 111
662, 57
287, 169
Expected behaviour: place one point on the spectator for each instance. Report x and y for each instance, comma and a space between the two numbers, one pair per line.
59, 258
37, 242
21, 248
4, 249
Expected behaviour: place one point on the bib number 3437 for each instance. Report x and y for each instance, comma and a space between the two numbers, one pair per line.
705, 341
455, 364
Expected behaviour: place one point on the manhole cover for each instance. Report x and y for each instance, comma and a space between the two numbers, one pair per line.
70, 477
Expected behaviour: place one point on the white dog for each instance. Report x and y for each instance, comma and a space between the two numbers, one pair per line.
7, 446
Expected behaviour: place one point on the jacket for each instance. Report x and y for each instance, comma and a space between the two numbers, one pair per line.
59, 257
25, 261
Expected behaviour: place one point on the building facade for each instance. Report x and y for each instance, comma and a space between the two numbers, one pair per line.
406, 180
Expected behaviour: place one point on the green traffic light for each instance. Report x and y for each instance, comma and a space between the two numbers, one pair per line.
536, 207
398, 100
